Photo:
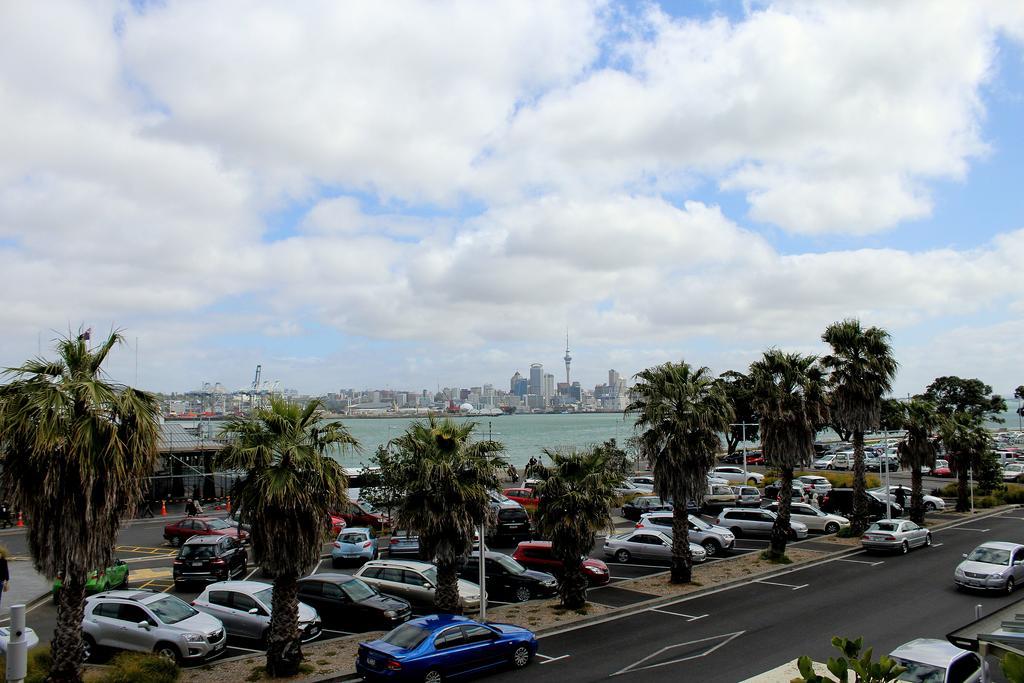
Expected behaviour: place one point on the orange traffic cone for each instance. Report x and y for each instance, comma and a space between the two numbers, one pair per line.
21, 520
163, 508
229, 504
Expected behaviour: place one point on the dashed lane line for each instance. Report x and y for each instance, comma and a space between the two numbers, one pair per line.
784, 585
873, 564
688, 617
964, 528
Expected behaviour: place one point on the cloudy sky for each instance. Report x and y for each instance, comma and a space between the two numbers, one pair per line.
410, 194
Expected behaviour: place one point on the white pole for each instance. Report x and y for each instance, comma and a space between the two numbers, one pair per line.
17, 647
970, 479
746, 477
888, 491
483, 581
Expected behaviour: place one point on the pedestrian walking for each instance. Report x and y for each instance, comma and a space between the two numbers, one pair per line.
199, 506
5, 575
191, 508
901, 496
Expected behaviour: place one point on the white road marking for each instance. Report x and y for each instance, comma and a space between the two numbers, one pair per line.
1009, 517
936, 545
548, 660
873, 564
688, 617
249, 575
643, 566
964, 528
784, 585
247, 649
317, 567
728, 637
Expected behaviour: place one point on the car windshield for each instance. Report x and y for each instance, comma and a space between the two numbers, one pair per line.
352, 538
697, 522
171, 610
406, 636
197, 552
218, 524
431, 574
920, 673
367, 507
989, 555
357, 591
509, 565
265, 596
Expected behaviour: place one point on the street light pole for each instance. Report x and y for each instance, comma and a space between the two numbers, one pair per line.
888, 492
482, 577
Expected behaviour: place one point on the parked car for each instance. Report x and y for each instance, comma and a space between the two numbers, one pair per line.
99, 580
512, 523
406, 544
813, 518
931, 503
209, 558
413, 581
995, 565
537, 555
525, 496
508, 580
1014, 472
840, 502
843, 460
244, 608
359, 513
747, 496
714, 539
443, 646
941, 469
815, 484
895, 535
797, 495
736, 475
877, 463
643, 480
720, 495
641, 504
350, 604
825, 462
628, 488
145, 621
742, 521
646, 544
184, 529
354, 545
937, 661
335, 524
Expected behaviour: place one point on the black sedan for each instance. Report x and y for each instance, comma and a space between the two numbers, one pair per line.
347, 603
507, 579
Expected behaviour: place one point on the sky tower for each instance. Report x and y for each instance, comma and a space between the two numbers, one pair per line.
567, 359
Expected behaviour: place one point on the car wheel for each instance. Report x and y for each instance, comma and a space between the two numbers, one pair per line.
168, 652
904, 548
1009, 585
622, 556
88, 648
831, 528
522, 594
521, 657
752, 482
433, 676
928, 541
710, 548
929, 507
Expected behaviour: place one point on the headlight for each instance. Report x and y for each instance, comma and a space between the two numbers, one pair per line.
390, 614
194, 637
958, 572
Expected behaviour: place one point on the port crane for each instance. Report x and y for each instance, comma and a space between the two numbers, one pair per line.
255, 388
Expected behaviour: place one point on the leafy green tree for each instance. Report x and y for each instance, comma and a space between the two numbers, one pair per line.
619, 461
990, 473
892, 413
576, 492
385, 486
958, 395
965, 441
680, 413
739, 389
446, 477
290, 487
862, 368
917, 449
789, 395
76, 451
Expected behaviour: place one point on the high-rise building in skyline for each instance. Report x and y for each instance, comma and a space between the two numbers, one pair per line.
549, 385
567, 359
613, 381
536, 383
514, 382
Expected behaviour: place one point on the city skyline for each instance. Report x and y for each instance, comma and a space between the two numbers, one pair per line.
437, 196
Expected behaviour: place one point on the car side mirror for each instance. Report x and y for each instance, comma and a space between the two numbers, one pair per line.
426, 584
144, 625
964, 556
1018, 563
254, 610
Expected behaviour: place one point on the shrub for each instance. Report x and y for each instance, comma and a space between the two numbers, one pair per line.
39, 661
140, 667
851, 661
1013, 667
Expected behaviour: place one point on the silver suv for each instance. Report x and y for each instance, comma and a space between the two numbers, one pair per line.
415, 582
145, 621
757, 522
714, 539
244, 607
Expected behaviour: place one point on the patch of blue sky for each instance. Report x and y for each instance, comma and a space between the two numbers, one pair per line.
9, 243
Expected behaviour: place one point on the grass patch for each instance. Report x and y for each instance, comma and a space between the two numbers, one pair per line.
140, 667
39, 662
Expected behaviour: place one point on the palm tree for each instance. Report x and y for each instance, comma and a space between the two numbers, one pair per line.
966, 441
77, 450
681, 413
576, 493
290, 487
789, 397
917, 450
862, 369
446, 478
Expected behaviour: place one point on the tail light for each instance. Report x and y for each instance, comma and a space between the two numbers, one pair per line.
637, 525
393, 666
367, 544
217, 561
394, 541
890, 538
336, 544
193, 603
178, 562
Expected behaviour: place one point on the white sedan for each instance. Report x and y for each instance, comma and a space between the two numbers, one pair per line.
813, 518
931, 503
736, 475
1014, 472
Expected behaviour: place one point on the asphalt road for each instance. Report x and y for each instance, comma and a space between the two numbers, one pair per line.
736, 633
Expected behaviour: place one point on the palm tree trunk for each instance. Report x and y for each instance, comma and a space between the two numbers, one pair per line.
781, 530
446, 596
572, 588
284, 649
859, 519
963, 488
682, 560
66, 647
916, 495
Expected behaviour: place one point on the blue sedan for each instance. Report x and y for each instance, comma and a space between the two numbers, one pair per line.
442, 646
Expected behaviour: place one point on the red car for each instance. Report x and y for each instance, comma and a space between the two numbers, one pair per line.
182, 530
337, 524
537, 555
360, 513
526, 497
